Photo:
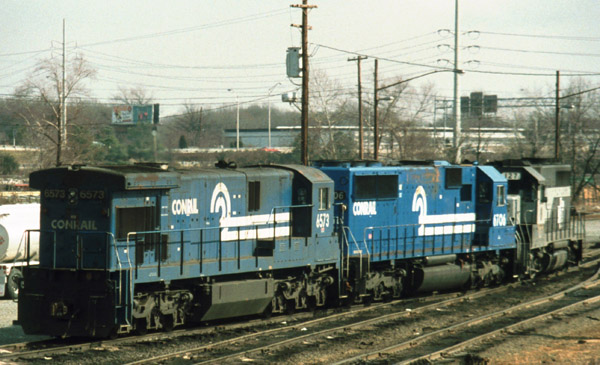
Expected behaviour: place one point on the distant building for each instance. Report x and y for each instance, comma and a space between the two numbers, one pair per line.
280, 137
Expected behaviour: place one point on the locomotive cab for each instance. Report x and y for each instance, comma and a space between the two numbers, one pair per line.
493, 226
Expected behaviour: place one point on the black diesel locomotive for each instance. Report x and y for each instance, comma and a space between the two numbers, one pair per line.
139, 247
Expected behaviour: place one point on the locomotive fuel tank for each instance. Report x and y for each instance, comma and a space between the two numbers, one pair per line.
441, 277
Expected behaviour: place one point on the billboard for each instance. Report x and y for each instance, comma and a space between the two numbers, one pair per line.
134, 114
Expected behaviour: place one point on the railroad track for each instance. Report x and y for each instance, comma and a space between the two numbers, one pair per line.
443, 353
49, 348
303, 328
221, 352
491, 325
291, 333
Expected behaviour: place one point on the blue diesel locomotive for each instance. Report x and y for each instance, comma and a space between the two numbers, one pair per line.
139, 247
421, 227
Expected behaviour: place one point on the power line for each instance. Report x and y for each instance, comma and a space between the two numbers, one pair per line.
381, 58
192, 29
541, 52
547, 36
25, 52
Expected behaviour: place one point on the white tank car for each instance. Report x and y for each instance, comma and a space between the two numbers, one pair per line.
15, 219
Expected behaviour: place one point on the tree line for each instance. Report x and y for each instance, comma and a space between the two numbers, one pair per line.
32, 117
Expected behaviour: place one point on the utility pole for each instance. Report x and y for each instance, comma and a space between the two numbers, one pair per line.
375, 125
457, 127
304, 113
269, 111
360, 119
62, 122
557, 119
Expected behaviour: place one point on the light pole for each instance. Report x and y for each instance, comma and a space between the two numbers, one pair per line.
237, 120
269, 99
456, 142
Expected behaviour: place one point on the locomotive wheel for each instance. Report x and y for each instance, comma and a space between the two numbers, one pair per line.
290, 307
311, 303
13, 284
266, 314
166, 320
114, 333
141, 326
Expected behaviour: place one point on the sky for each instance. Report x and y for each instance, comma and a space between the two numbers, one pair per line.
214, 54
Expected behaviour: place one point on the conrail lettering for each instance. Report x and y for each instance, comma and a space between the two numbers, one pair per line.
74, 224
184, 206
364, 208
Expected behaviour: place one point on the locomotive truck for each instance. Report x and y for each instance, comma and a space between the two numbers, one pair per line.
146, 247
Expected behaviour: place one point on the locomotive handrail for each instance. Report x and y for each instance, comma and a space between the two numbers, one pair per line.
191, 229
112, 241
444, 233
28, 249
24, 241
129, 240
344, 228
272, 212
107, 248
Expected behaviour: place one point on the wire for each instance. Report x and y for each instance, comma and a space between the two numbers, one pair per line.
185, 67
192, 29
26, 52
541, 52
381, 58
547, 36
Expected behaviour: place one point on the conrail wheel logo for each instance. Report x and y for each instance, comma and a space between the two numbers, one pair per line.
221, 201
419, 203
439, 224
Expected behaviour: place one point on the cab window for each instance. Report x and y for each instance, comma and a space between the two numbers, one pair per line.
500, 194
323, 198
484, 192
253, 196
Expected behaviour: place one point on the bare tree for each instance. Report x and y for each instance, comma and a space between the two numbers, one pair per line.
580, 134
133, 96
190, 125
412, 141
400, 119
327, 111
41, 106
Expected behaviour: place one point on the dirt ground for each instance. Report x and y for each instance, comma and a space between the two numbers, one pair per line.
568, 340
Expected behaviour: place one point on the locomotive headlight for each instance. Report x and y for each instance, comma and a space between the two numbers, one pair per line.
72, 196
